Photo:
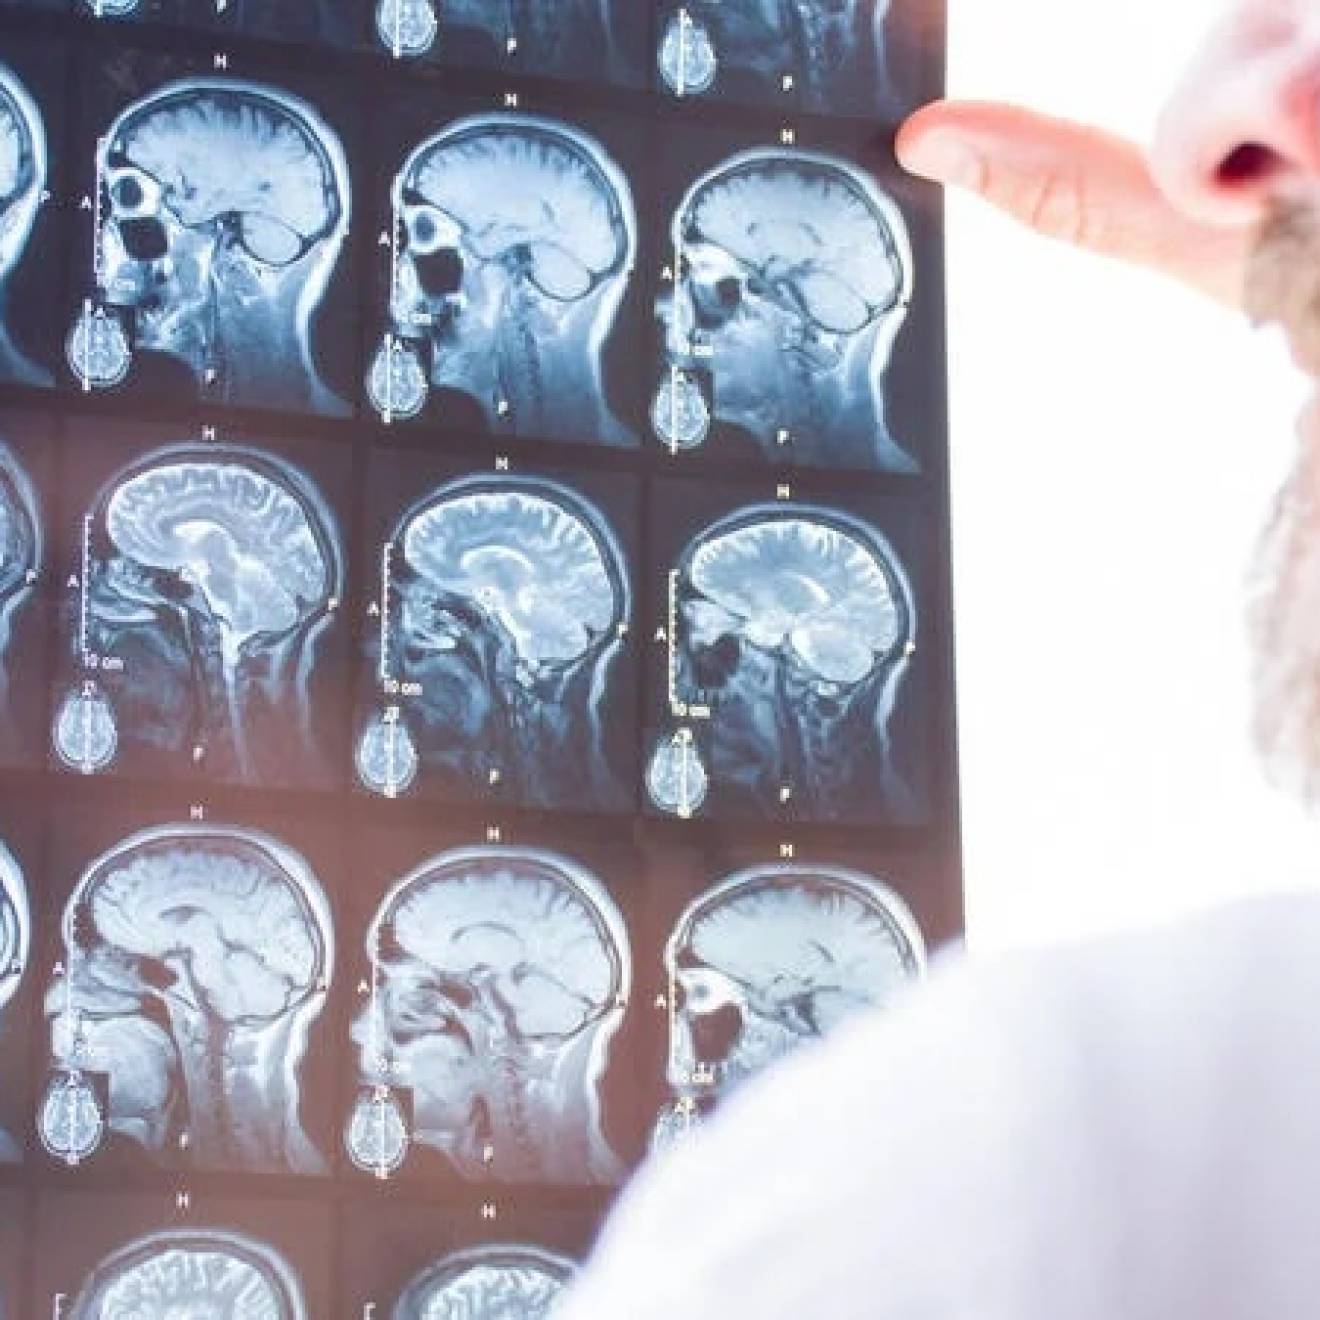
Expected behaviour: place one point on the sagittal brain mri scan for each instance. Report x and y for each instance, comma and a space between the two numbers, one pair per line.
815, 55
15, 947
794, 627
195, 961
514, 242
221, 209
206, 1274
769, 959
208, 578
498, 977
793, 277
504, 607
20, 548
559, 38
495, 1282
23, 170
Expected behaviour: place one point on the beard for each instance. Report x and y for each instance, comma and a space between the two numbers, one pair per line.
1283, 288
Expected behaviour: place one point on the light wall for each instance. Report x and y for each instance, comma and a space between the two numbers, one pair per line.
1115, 444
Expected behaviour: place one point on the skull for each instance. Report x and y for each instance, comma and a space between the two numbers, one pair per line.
507, 601
795, 624
493, 1282
20, 545
203, 1274
15, 944
224, 207
516, 242
794, 277
769, 959
22, 184
820, 55
499, 976
197, 959
212, 572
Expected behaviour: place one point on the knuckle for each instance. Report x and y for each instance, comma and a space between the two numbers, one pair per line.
1056, 205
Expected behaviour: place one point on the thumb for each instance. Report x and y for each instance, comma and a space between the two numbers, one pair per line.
1074, 183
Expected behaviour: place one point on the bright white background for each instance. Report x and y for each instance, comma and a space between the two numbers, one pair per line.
1115, 445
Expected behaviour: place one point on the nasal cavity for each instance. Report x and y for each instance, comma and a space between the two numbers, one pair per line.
1250, 165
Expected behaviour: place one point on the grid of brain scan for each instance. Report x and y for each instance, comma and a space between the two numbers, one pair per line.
476, 683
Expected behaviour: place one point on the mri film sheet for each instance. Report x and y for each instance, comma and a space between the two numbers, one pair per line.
19, 899
27, 466
414, 1262
591, 41
185, 987
790, 686
492, 1032
757, 956
202, 628
212, 261
32, 230
784, 283
111, 1255
500, 638
317, 22
825, 57
503, 298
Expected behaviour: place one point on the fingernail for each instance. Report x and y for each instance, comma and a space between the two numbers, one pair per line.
943, 158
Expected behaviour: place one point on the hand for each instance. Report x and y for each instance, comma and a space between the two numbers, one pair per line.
1078, 184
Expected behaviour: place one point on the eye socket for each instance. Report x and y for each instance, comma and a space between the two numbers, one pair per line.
269, 240
831, 303
133, 193
427, 230
558, 273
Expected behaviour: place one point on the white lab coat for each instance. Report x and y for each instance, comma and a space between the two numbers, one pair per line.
1124, 1130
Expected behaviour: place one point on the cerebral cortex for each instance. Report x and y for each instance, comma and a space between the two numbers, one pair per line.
798, 218
17, 534
216, 150
16, 162
226, 913
512, 185
488, 1292
203, 1277
520, 920
246, 540
804, 929
806, 582
527, 560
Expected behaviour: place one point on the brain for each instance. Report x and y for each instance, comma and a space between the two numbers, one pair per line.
807, 582
527, 559
203, 1276
794, 927
800, 217
226, 907
522, 917
221, 149
516, 1283
17, 528
240, 532
13, 922
16, 157
510, 184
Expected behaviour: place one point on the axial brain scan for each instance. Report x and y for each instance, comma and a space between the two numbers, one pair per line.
516, 240
210, 575
819, 55
795, 625
15, 945
771, 958
22, 182
499, 976
200, 1273
794, 274
223, 208
505, 600
20, 546
497, 1282
196, 959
